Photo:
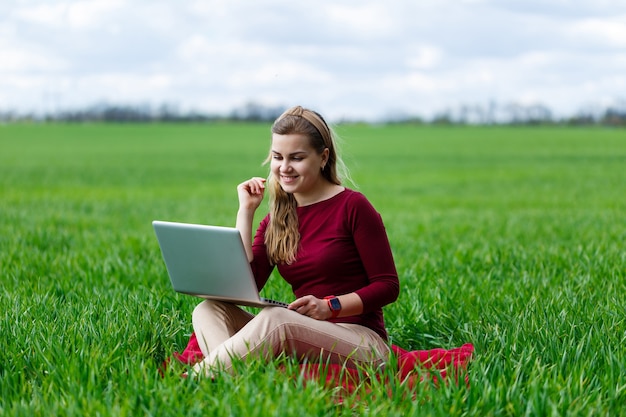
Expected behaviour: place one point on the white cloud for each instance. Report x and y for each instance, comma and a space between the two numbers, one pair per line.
51, 15
70, 14
364, 20
611, 31
353, 57
16, 59
424, 57
278, 73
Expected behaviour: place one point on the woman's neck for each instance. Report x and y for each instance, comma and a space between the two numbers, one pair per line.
325, 191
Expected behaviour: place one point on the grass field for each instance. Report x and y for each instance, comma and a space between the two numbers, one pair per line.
512, 239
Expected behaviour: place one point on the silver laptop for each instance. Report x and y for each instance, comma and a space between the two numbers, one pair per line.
209, 262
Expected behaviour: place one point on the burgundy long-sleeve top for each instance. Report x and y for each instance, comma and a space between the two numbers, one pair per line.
343, 248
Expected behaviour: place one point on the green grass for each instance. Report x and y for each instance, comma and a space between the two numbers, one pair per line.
512, 239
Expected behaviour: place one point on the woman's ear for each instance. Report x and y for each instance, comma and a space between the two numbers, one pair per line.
325, 154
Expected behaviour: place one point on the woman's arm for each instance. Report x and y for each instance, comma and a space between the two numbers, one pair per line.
250, 194
351, 305
372, 243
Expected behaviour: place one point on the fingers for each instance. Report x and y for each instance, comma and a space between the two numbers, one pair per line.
295, 305
310, 306
255, 185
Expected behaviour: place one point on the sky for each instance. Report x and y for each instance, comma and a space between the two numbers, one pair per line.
363, 59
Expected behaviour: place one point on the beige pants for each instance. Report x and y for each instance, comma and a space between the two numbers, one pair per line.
225, 331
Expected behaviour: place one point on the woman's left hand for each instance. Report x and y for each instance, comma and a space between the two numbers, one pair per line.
312, 307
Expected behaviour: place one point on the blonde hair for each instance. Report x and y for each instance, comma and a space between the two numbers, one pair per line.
282, 237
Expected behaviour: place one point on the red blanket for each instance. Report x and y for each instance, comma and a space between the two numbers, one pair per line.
412, 366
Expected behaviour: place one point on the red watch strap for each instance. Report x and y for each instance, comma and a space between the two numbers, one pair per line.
334, 313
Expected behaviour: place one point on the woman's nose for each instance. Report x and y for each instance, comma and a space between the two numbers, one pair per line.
285, 166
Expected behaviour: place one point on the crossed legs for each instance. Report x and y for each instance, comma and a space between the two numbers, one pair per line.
225, 331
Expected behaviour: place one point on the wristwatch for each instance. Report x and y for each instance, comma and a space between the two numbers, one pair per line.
334, 305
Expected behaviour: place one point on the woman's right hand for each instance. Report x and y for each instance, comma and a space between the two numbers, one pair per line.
251, 193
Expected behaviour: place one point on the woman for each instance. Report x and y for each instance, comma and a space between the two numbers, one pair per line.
327, 242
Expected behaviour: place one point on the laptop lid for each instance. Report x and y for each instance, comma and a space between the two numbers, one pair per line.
208, 262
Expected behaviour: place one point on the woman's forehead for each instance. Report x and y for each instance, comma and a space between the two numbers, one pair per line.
290, 143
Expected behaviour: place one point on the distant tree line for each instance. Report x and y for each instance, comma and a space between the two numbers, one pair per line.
491, 114
250, 112
518, 114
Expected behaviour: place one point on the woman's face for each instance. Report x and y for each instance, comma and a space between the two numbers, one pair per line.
296, 164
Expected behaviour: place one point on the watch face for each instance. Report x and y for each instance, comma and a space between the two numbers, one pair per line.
335, 304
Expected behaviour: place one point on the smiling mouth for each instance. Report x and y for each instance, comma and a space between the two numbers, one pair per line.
288, 178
